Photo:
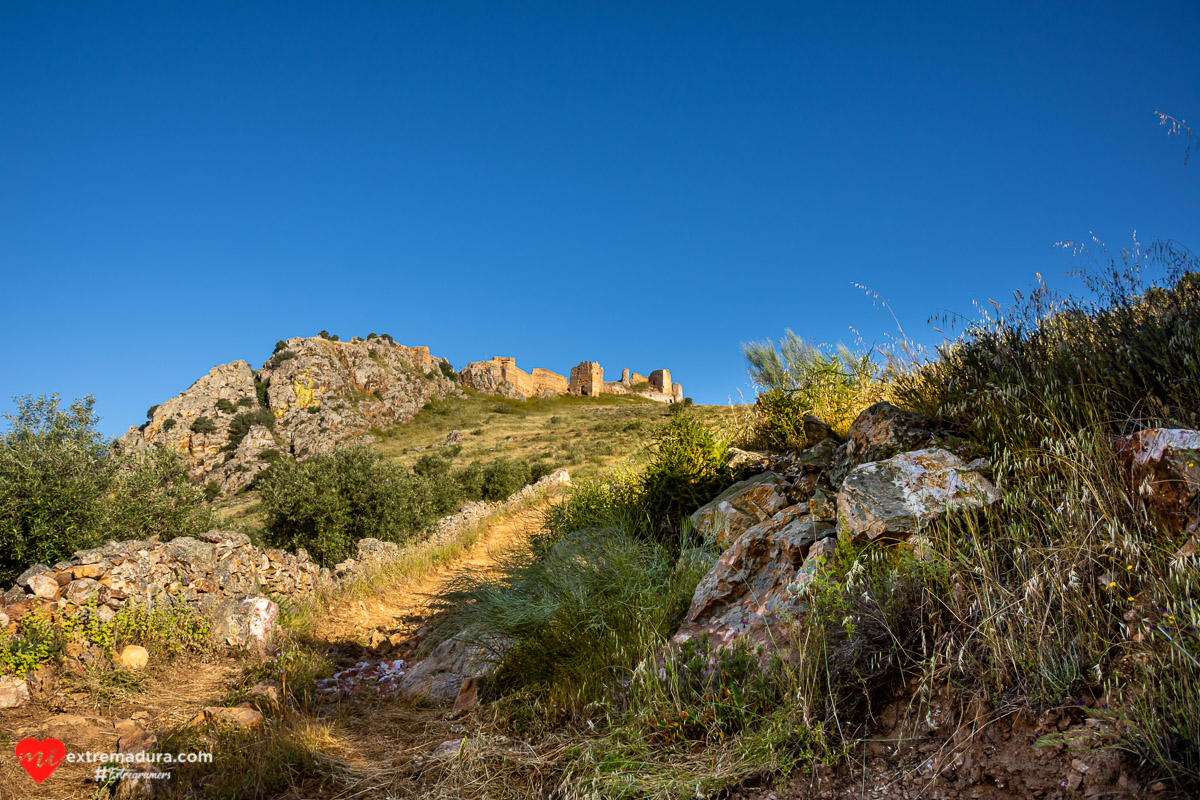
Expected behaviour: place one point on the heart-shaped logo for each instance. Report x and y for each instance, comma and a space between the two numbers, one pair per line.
40, 757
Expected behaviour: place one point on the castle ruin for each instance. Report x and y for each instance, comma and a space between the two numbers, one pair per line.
501, 376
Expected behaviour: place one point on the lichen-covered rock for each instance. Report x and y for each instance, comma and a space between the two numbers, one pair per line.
745, 595
879, 432
894, 497
742, 505
249, 621
1164, 467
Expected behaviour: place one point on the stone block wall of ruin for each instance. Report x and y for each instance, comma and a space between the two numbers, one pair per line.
587, 379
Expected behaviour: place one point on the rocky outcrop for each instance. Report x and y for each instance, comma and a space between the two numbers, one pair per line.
768, 568
746, 595
879, 432
438, 677
894, 497
744, 504
309, 397
1163, 465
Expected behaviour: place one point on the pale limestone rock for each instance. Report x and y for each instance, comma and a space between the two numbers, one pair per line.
44, 585
14, 692
894, 497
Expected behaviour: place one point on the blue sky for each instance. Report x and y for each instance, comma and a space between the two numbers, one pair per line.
643, 184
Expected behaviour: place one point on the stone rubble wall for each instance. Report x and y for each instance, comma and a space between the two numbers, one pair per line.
216, 568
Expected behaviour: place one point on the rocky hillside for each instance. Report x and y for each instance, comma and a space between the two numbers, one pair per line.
311, 395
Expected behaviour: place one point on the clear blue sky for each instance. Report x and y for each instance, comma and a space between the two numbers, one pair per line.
643, 184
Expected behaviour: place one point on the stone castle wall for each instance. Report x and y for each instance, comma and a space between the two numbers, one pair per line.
501, 375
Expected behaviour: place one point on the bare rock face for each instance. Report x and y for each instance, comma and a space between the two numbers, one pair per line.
742, 505
191, 422
489, 377
894, 497
745, 595
1164, 468
312, 395
879, 432
329, 392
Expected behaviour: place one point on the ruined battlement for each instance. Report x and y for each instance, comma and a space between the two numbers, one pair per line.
500, 375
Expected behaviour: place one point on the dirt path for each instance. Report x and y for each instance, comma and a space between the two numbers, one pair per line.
403, 605
383, 744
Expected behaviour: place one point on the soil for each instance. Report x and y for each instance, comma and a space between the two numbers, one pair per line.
958, 748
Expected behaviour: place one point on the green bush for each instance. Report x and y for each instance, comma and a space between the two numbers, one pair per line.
280, 345
796, 378
225, 405
203, 424
64, 487
150, 411
448, 371
241, 424
687, 469
212, 490
286, 355
432, 465
504, 476
168, 424
260, 390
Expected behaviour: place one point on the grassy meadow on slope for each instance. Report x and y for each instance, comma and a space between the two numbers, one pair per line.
587, 436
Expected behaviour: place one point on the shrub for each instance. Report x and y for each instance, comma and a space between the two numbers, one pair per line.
241, 424
432, 465
796, 378
150, 411
280, 345
225, 405
245, 402
687, 469
327, 503
260, 390
286, 355
64, 487
212, 490
504, 476
203, 424
447, 370
168, 424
